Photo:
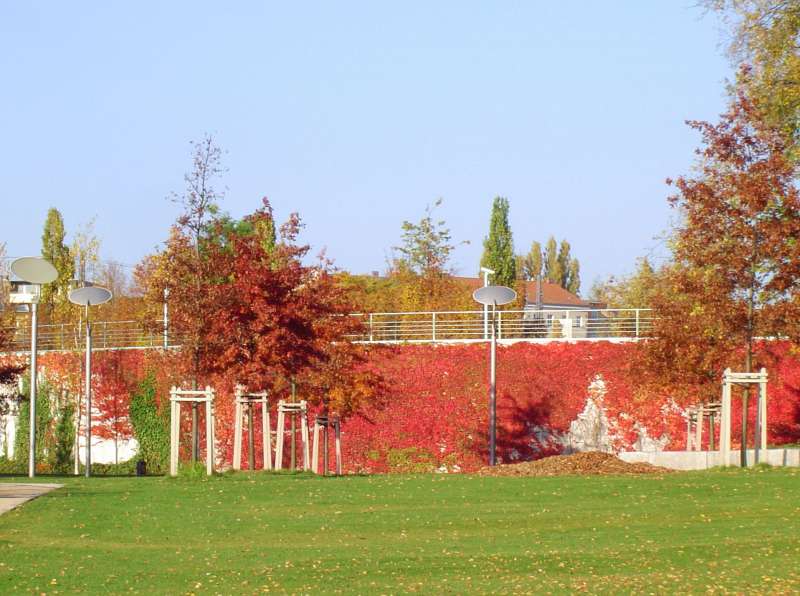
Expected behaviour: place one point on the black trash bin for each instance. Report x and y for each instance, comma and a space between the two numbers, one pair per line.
141, 468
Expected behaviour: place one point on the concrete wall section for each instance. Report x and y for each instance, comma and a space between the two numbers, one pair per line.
702, 460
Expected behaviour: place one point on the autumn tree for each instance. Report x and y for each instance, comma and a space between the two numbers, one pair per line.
55, 250
736, 259
278, 319
111, 390
764, 38
85, 253
632, 291
422, 270
183, 268
498, 246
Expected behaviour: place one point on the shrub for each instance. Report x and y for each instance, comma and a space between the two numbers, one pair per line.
65, 440
150, 427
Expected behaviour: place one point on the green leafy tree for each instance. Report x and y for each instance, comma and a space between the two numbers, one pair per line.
764, 40
85, 252
573, 281
570, 269
421, 272
632, 291
54, 249
498, 246
426, 246
553, 271
532, 262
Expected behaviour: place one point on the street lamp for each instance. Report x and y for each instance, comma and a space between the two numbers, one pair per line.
86, 297
486, 273
36, 271
494, 296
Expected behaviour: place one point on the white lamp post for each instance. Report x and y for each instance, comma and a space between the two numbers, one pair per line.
36, 271
86, 297
494, 296
486, 273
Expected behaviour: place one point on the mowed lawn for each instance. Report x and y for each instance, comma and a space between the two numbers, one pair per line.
727, 530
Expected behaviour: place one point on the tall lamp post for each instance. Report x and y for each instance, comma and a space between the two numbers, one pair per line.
86, 297
36, 271
493, 296
486, 273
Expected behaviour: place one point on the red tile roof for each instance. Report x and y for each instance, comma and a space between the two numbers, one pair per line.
552, 294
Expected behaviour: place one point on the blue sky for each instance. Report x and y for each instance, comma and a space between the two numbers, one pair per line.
358, 115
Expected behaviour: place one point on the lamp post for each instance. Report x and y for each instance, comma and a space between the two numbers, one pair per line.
486, 273
36, 271
166, 319
494, 296
86, 297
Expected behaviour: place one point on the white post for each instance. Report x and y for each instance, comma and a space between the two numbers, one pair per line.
371, 334
499, 315
763, 401
315, 449
486, 272
166, 319
32, 392
279, 431
725, 422
433, 324
174, 429
267, 442
304, 435
338, 431
237, 429
492, 392
88, 395
698, 440
209, 431
637, 322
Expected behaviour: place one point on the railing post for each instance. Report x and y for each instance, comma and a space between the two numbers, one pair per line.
637, 322
371, 338
499, 324
433, 324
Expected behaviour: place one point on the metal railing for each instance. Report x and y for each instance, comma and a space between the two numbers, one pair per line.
106, 335
512, 325
398, 327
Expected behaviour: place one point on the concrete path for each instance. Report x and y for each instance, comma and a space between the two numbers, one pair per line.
13, 494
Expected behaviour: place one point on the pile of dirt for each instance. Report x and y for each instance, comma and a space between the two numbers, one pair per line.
585, 463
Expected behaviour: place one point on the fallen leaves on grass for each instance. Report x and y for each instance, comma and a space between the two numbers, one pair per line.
585, 463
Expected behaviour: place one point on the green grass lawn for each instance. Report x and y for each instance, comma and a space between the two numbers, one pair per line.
728, 530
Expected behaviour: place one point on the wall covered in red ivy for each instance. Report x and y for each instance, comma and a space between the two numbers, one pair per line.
432, 410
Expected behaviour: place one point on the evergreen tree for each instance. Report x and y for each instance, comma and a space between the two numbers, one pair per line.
56, 251
498, 247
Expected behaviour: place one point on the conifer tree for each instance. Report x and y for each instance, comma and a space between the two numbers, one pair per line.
498, 247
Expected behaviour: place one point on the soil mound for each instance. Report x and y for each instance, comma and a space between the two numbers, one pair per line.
586, 463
